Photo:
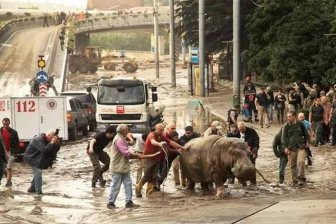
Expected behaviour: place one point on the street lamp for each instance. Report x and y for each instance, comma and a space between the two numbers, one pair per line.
156, 37
236, 32
172, 43
201, 43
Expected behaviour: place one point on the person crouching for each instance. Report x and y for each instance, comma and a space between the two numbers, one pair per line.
40, 155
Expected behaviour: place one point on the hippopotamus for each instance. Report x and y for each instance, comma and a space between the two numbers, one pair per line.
215, 159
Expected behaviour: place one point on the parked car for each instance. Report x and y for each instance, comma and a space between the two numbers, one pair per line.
77, 117
89, 104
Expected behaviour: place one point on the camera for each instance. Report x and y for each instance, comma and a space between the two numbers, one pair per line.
56, 134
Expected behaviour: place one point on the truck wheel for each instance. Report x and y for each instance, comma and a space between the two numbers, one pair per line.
93, 69
83, 69
73, 134
129, 67
92, 125
73, 68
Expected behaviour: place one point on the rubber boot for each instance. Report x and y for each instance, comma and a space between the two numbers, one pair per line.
138, 189
150, 188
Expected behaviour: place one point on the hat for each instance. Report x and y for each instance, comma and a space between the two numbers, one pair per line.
216, 124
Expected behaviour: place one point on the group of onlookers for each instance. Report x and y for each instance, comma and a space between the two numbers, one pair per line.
318, 106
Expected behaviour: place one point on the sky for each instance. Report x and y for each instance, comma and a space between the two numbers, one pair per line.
42, 4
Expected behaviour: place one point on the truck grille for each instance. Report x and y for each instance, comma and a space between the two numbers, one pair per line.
130, 117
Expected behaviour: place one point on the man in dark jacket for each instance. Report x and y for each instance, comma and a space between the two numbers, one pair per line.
250, 95
294, 139
250, 136
262, 104
96, 152
189, 134
316, 119
11, 142
280, 153
39, 155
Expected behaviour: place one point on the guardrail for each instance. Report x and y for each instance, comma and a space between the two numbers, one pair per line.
21, 23
95, 24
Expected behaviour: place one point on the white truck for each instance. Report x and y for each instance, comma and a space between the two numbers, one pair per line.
129, 101
30, 116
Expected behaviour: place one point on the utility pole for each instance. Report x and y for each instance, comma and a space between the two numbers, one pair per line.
156, 38
172, 43
201, 45
236, 58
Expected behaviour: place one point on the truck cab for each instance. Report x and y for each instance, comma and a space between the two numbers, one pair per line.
125, 100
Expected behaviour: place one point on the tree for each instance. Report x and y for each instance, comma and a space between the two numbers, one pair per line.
218, 22
288, 41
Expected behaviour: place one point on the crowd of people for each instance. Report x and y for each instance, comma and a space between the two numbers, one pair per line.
159, 150
156, 152
309, 122
317, 105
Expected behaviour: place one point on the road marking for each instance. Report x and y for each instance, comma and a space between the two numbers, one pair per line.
10, 37
7, 45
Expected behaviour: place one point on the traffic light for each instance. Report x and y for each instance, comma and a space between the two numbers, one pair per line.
41, 62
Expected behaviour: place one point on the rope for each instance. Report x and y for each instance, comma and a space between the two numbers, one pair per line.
164, 180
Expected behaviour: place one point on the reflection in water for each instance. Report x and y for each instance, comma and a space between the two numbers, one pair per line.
194, 115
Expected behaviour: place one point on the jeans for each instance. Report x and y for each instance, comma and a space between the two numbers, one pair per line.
269, 110
282, 168
280, 115
117, 179
36, 183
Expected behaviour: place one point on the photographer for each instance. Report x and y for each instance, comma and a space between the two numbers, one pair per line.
39, 155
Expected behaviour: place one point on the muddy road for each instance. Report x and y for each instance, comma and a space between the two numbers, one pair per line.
69, 198
19, 55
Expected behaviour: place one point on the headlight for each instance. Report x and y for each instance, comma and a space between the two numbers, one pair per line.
102, 126
140, 126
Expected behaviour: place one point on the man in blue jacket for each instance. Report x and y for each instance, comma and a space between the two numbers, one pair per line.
39, 155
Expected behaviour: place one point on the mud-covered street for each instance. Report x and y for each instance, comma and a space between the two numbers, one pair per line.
68, 196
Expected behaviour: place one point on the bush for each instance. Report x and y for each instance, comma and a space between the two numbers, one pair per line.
9, 14
27, 14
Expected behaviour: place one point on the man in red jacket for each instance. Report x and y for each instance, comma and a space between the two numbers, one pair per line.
155, 142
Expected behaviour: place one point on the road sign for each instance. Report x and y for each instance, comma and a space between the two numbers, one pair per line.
42, 77
194, 55
43, 89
